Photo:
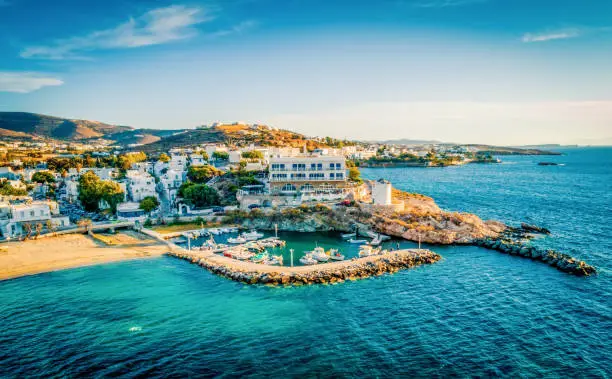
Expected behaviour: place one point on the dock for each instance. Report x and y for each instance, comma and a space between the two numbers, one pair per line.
358, 268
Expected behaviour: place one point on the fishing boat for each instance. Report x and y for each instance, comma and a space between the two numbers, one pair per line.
243, 255
376, 241
355, 241
308, 260
319, 254
335, 255
377, 235
252, 235
258, 258
348, 235
236, 240
367, 250
275, 260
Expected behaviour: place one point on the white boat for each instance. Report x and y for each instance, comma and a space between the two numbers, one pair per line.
376, 241
308, 260
242, 255
335, 255
377, 235
348, 235
275, 260
367, 250
352, 240
319, 254
252, 235
236, 240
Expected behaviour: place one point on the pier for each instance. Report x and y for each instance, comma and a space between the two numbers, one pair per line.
358, 268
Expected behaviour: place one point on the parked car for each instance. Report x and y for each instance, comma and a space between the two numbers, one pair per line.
218, 210
254, 206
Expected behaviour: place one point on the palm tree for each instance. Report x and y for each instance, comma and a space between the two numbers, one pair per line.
28, 228
39, 227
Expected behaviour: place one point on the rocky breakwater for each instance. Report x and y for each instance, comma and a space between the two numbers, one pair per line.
251, 273
560, 261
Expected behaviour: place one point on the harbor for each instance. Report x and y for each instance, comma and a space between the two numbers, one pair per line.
284, 248
326, 273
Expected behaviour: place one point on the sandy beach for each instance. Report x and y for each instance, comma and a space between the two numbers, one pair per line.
73, 250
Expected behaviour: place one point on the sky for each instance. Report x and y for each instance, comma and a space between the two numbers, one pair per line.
505, 72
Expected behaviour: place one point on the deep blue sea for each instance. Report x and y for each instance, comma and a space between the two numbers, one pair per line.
475, 313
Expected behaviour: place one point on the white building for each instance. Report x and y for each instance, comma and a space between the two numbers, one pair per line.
178, 163
14, 217
140, 185
169, 183
235, 156
307, 174
130, 211
197, 160
381, 192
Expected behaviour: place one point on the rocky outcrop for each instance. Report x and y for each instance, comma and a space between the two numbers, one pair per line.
534, 229
329, 273
560, 261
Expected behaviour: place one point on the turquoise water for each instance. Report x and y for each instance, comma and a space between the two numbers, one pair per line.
475, 313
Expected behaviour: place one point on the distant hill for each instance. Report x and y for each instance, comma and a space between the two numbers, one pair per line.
234, 134
142, 136
503, 150
31, 125
405, 141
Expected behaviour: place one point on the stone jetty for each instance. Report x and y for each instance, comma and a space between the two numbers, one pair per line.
251, 273
560, 261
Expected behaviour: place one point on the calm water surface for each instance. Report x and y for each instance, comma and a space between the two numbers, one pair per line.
475, 313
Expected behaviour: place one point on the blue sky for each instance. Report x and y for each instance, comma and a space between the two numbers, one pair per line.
483, 71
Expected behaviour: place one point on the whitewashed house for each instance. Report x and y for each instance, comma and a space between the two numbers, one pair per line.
140, 185
15, 215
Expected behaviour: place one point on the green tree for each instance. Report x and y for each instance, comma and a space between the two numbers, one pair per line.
149, 203
43, 177
92, 190
205, 156
200, 195
354, 175
164, 157
221, 155
254, 154
202, 174
7, 189
112, 194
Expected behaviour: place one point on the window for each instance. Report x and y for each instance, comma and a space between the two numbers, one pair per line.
331, 176
288, 188
32, 213
338, 166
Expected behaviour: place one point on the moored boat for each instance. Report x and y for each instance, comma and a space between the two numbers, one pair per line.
319, 254
367, 250
355, 241
335, 255
252, 235
348, 235
308, 260
258, 258
236, 240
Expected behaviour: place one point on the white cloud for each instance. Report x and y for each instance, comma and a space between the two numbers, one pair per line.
157, 26
24, 82
445, 3
236, 29
549, 36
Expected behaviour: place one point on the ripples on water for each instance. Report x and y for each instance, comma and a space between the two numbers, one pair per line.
476, 313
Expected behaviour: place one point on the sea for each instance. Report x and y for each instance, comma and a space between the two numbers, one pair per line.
476, 313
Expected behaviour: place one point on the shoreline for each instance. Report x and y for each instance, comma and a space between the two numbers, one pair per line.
72, 251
